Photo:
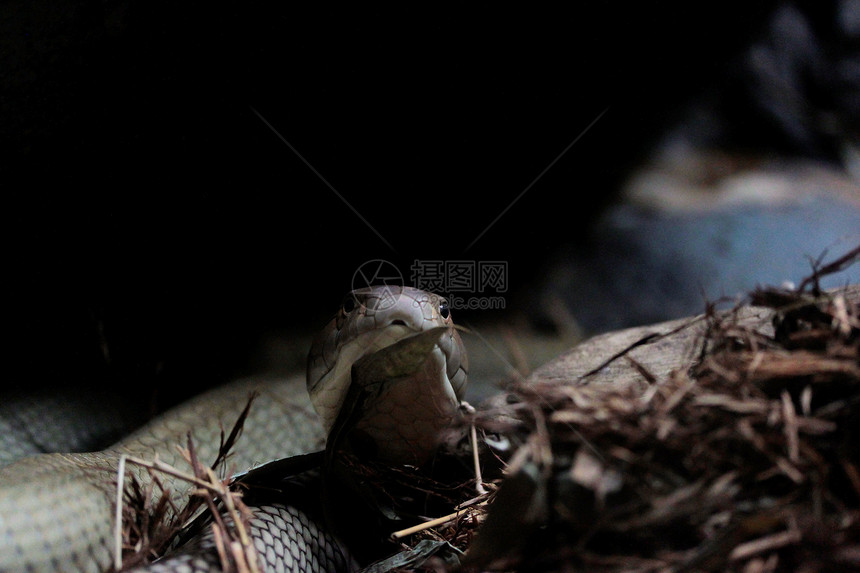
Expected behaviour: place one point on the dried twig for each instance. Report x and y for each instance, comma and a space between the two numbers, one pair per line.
835, 266
146, 525
444, 520
705, 469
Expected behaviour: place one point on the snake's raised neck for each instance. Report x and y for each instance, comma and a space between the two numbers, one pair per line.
408, 411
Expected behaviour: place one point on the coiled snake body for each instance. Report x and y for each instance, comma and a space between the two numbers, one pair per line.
56, 510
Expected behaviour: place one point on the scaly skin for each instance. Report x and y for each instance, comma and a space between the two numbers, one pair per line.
56, 510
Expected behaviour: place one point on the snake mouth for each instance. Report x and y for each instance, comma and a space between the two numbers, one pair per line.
407, 348
408, 399
380, 338
331, 389
363, 331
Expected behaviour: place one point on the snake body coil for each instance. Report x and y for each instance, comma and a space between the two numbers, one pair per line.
56, 510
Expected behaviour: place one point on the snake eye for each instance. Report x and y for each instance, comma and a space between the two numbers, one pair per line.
348, 304
444, 311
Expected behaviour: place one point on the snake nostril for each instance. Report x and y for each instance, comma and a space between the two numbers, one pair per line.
397, 321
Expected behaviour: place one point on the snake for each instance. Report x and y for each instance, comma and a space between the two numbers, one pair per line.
57, 509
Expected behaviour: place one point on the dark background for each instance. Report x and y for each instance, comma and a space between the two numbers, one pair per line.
153, 215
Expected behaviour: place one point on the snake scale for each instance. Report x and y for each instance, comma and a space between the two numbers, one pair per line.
56, 510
